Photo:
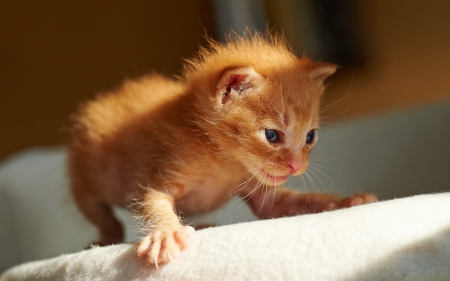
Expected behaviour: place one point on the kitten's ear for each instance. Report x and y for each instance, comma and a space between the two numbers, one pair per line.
320, 71
235, 81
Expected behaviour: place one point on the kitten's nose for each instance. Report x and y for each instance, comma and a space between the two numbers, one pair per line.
295, 165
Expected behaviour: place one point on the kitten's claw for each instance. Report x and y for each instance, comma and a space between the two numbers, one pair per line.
163, 246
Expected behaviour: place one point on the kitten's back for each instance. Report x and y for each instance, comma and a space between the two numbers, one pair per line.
135, 98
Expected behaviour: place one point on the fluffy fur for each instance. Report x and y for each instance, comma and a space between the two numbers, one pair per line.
187, 145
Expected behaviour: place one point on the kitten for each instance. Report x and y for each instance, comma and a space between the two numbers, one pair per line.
243, 116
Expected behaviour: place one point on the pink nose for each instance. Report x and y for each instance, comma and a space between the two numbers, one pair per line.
295, 165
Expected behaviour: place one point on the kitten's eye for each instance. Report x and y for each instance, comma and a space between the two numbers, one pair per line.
272, 136
311, 137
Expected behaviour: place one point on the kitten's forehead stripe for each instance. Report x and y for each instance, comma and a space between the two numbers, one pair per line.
286, 119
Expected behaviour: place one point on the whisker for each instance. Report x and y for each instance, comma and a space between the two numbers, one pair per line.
265, 187
333, 116
321, 166
268, 193
315, 175
252, 193
334, 104
302, 177
323, 159
274, 196
247, 181
249, 195
264, 197
313, 184
325, 175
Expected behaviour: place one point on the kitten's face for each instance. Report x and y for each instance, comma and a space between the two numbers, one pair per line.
269, 123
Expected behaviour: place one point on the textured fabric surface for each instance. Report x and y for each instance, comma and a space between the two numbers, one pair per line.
402, 239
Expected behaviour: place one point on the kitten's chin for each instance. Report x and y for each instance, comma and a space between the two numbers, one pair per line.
272, 180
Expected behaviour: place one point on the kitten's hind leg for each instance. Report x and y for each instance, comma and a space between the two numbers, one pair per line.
166, 236
102, 216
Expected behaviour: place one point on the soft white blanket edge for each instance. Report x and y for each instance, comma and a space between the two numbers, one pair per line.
402, 239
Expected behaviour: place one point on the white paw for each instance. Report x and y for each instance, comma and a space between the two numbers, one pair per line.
162, 246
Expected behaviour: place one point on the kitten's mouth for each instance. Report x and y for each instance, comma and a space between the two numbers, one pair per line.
275, 179
278, 179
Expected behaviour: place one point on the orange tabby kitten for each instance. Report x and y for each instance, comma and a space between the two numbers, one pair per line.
242, 117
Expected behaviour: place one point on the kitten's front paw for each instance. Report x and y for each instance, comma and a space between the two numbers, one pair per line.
352, 201
162, 246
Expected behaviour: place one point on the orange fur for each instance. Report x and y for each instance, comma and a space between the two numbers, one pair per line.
187, 145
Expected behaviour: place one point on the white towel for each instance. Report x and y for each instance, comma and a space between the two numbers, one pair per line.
402, 239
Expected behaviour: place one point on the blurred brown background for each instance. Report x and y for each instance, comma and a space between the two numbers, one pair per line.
56, 54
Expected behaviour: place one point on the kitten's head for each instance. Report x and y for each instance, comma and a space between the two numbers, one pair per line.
263, 105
